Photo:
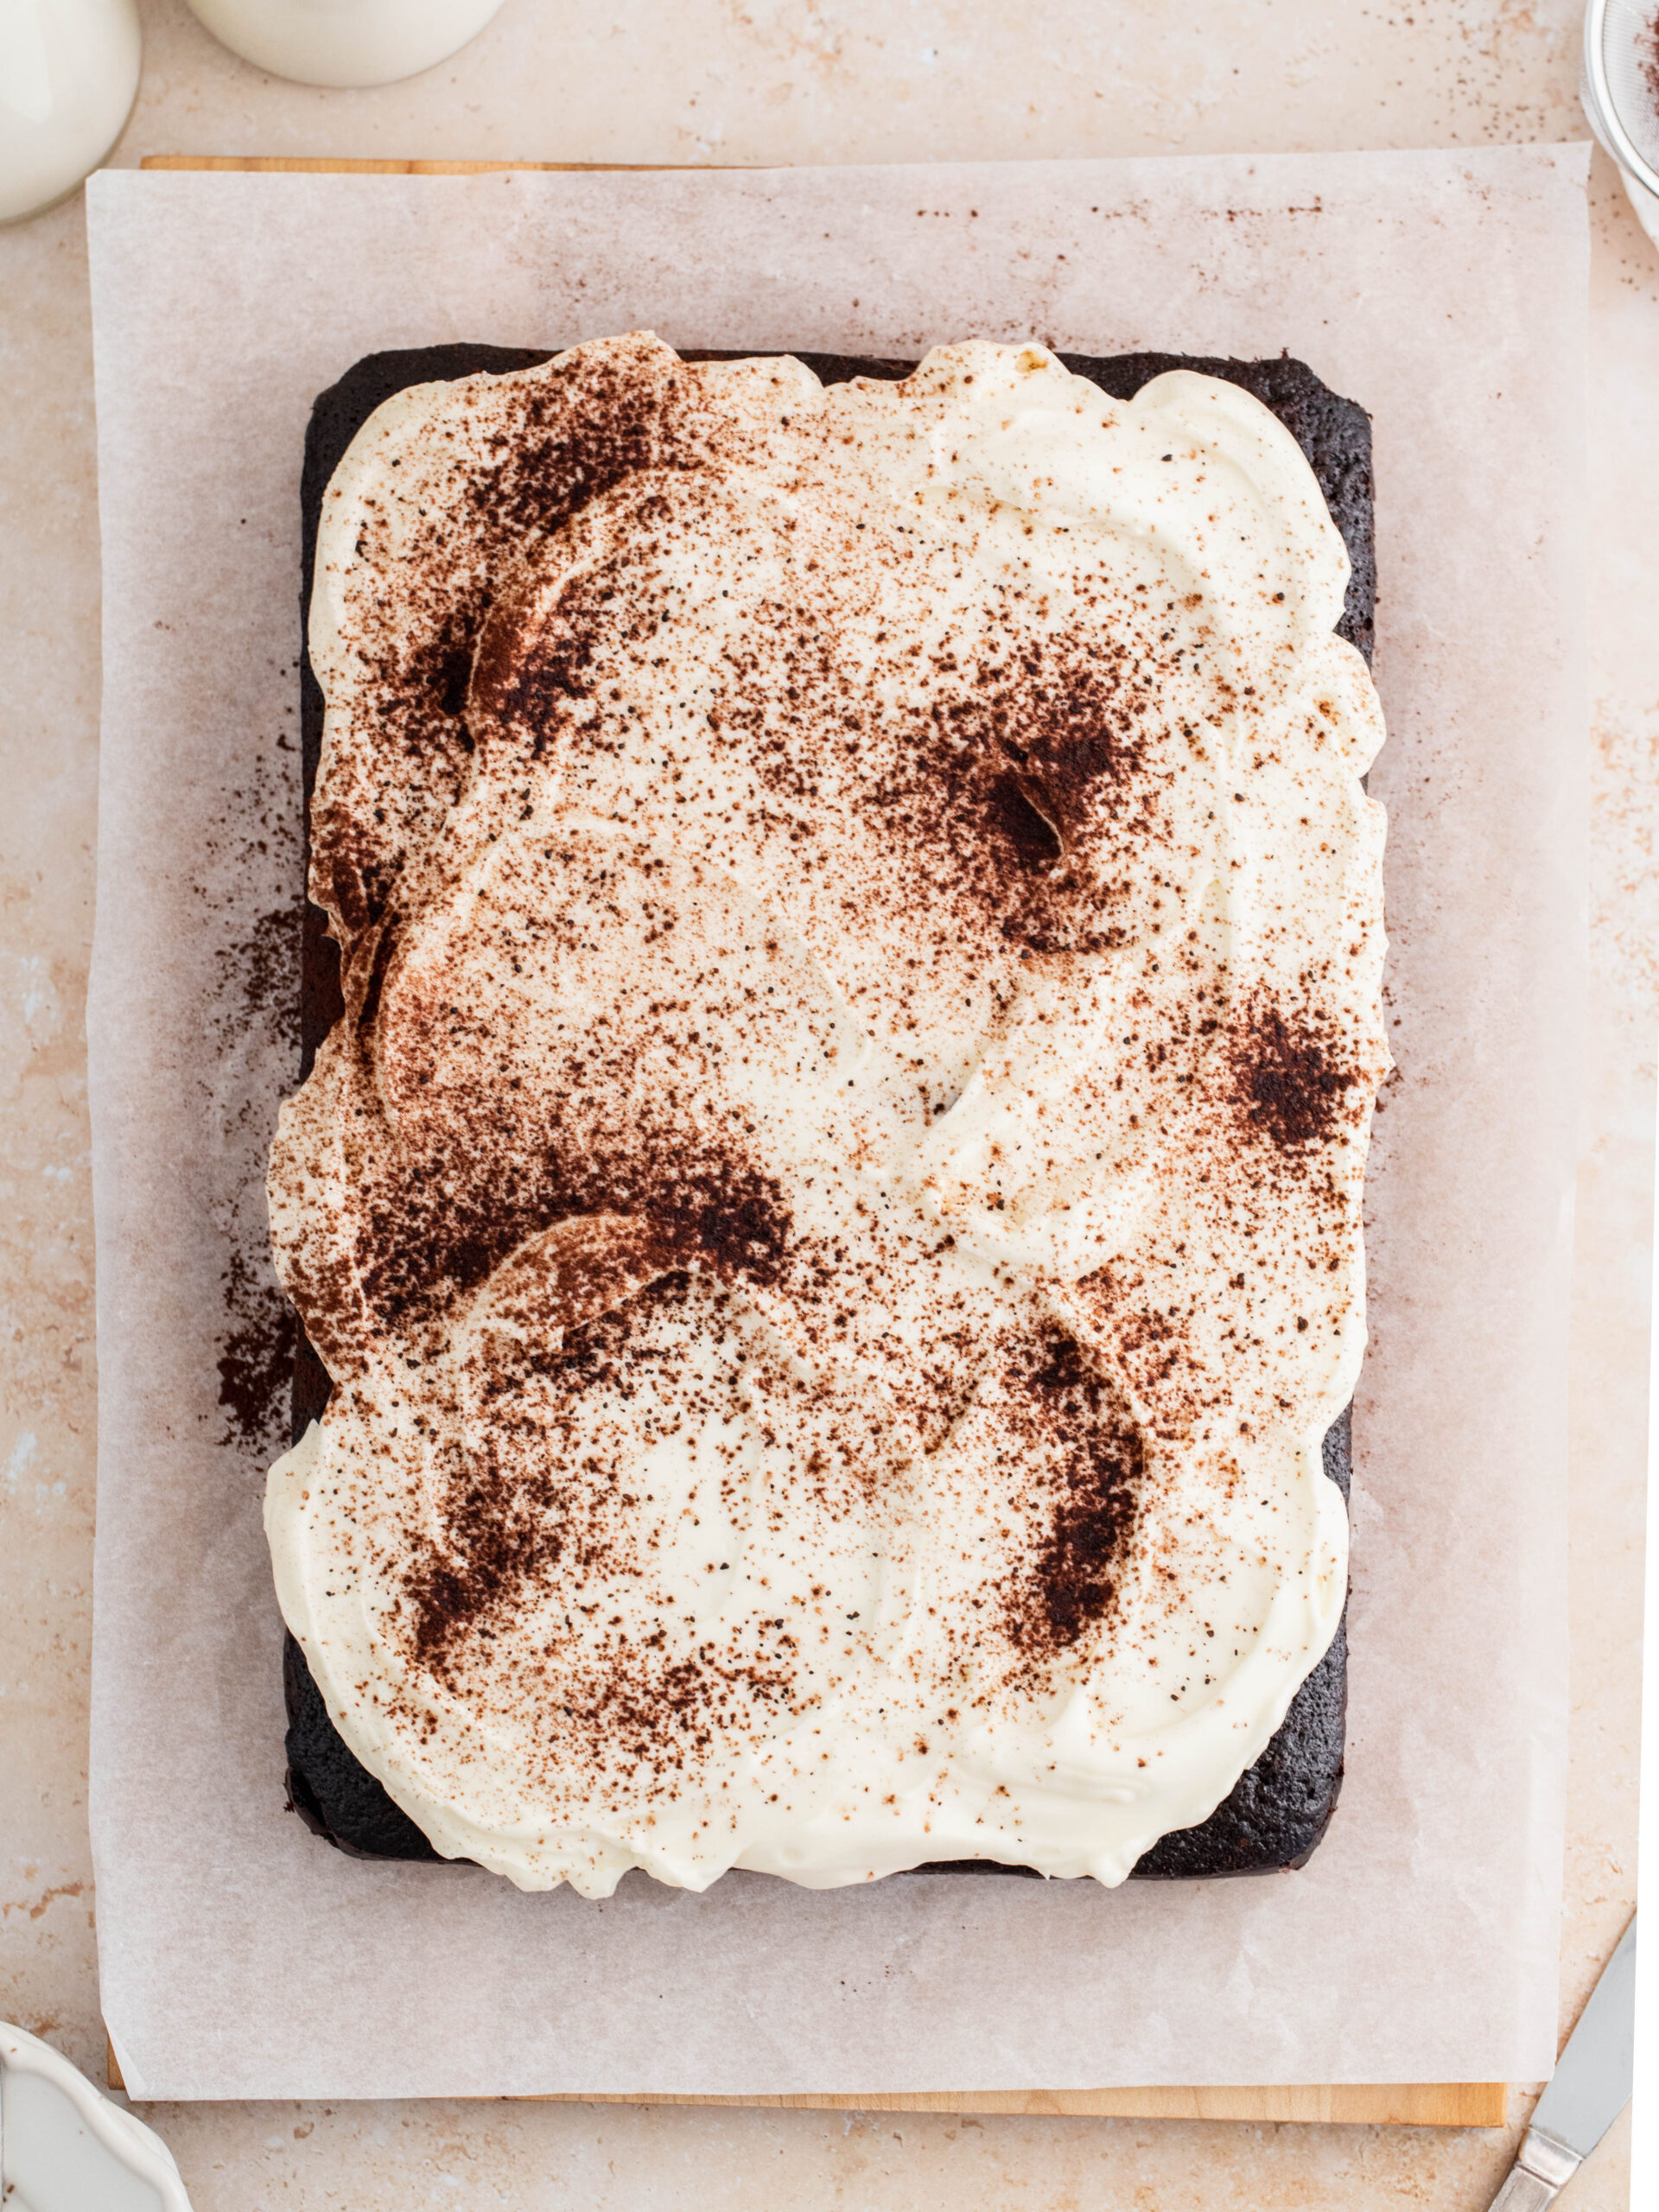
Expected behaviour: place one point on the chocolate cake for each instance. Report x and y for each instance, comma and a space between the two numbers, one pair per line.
1280, 1807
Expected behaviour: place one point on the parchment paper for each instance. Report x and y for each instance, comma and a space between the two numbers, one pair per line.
240, 1956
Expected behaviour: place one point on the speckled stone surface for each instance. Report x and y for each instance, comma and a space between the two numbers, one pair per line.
720, 81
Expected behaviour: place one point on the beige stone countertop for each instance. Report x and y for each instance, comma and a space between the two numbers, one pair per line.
769, 82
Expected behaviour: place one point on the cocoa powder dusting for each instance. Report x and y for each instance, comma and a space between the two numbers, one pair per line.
1095, 1493
258, 996
551, 447
255, 1360
510, 1525
261, 973
1292, 1075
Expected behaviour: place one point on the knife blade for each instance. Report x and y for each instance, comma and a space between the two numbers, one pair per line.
1591, 2088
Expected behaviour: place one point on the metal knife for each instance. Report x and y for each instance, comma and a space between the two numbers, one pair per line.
1591, 2088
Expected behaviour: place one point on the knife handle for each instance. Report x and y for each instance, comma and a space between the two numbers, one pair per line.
1541, 2170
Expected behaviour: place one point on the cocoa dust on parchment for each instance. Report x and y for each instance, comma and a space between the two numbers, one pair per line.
255, 1359
259, 990
262, 973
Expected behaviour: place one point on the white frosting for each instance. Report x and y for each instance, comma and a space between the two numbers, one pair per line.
973, 1506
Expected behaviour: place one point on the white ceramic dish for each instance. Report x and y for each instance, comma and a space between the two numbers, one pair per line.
64, 2148
345, 41
68, 75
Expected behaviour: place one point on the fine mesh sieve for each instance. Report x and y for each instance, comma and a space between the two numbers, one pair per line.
1619, 87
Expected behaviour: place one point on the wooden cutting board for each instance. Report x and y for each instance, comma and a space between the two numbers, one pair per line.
1390, 2104
1400, 2104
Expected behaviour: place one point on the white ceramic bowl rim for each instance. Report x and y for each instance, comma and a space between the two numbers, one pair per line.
1604, 114
124, 2136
